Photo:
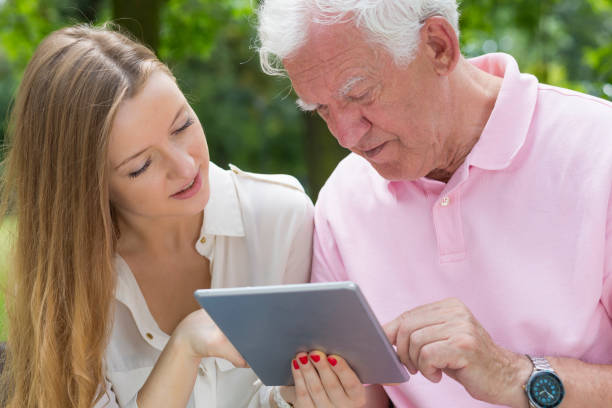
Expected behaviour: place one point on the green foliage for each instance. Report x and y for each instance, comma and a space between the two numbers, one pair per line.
566, 43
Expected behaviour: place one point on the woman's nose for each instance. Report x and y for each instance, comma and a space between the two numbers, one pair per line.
182, 163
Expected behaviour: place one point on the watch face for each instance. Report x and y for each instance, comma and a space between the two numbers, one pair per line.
545, 389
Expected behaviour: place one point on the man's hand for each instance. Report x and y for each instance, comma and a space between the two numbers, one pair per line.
444, 337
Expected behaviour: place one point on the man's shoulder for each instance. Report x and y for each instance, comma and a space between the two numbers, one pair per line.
578, 121
574, 103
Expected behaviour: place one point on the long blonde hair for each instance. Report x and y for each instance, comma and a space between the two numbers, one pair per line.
55, 183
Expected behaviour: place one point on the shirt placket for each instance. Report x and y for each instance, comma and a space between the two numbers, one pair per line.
204, 392
449, 227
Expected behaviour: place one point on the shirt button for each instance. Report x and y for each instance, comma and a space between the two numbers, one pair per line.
445, 201
203, 240
149, 336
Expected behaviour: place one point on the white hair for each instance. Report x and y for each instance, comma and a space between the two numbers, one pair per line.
394, 24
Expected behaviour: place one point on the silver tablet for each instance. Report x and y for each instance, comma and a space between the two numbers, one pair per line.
269, 325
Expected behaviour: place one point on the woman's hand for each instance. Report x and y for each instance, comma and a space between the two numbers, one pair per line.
201, 337
324, 382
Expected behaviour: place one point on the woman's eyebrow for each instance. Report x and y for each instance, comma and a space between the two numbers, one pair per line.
176, 116
131, 157
181, 109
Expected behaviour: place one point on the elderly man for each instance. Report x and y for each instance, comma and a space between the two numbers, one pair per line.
475, 211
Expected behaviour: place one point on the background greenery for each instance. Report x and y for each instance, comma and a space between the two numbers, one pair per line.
250, 119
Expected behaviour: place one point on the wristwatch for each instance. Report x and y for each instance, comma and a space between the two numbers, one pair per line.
544, 388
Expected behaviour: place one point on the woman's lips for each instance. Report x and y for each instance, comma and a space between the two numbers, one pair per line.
191, 190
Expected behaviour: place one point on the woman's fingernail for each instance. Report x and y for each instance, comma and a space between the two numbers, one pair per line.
296, 365
304, 359
315, 357
332, 361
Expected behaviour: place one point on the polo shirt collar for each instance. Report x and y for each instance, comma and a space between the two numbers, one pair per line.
507, 127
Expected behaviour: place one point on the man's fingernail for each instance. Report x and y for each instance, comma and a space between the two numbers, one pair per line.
332, 361
315, 357
296, 365
303, 359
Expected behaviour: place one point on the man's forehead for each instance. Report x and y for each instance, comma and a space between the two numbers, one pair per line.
329, 49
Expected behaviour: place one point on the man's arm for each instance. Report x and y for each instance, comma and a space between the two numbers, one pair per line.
445, 338
586, 385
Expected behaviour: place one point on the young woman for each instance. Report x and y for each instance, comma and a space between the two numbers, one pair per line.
120, 217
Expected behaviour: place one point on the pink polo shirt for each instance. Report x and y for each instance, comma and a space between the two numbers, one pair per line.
522, 232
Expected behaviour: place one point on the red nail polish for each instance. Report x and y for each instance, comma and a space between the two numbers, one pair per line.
315, 357
304, 359
332, 361
296, 365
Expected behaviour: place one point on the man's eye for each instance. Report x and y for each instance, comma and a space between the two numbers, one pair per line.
141, 170
361, 97
322, 110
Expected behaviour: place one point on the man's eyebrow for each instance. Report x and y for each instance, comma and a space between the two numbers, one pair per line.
348, 85
305, 106
342, 93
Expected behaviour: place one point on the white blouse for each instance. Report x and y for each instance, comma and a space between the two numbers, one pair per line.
257, 230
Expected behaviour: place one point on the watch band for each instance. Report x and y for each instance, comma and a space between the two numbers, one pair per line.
540, 363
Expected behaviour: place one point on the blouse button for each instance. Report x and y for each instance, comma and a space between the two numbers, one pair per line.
203, 240
149, 336
445, 201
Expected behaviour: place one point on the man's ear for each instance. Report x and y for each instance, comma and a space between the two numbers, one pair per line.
440, 44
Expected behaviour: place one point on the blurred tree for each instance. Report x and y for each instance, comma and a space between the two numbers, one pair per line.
139, 17
563, 42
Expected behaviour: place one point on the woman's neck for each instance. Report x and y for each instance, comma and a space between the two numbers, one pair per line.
158, 235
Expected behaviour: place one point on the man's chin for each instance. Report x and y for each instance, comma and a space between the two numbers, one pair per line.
392, 172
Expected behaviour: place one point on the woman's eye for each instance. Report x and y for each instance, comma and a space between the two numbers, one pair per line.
141, 170
188, 123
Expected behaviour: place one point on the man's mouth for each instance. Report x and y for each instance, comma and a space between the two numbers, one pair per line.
372, 153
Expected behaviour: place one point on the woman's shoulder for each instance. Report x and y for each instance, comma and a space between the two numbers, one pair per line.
283, 183
268, 193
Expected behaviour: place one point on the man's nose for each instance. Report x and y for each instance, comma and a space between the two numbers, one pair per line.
348, 125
